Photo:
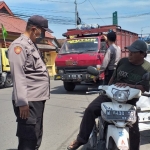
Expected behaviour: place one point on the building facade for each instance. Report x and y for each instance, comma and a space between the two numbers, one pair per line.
16, 26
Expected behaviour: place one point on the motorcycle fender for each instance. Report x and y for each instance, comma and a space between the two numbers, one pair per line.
119, 135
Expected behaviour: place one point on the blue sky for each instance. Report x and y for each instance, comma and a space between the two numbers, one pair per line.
133, 15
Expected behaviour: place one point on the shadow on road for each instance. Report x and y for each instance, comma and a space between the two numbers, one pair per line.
145, 137
79, 90
6, 87
86, 147
82, 113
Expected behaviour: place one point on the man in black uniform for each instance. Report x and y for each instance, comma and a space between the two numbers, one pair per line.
129, 71
31, 87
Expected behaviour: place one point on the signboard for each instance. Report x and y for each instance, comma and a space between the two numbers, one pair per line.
115, 18
82, 40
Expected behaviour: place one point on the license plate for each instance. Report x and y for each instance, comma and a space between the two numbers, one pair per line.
58, 77
92, 76
120, 115
74, 76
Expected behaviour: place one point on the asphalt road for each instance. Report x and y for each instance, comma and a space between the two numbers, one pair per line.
62, 117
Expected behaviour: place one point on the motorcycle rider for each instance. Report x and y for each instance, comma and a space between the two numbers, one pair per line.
129, 71
112, 56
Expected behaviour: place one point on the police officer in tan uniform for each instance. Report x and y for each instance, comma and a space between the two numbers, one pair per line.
31, 86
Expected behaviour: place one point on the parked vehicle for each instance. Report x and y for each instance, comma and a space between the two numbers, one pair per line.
142, 105
112, 130
86, 46
5, 76
148, 48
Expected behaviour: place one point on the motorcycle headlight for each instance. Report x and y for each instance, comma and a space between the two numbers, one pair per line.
60, 71
121, 96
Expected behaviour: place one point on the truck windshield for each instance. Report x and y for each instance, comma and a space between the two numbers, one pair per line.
79, 45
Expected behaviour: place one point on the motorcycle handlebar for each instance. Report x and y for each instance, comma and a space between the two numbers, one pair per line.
93, 89
144, 94
92, 92
96, 90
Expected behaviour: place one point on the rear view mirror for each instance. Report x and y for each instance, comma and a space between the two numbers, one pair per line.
103, 47
146, 76
6, 52
57, 50
93, 71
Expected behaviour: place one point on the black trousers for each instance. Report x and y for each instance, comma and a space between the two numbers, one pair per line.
30, 131
88, 121
108, 75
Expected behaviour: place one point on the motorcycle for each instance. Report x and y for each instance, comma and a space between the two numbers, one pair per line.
111, 132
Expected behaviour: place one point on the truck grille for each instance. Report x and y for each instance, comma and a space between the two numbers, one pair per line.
75, 70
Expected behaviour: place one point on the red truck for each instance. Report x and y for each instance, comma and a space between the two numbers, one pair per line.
85, 47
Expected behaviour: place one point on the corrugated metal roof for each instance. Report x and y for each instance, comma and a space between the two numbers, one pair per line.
46, 47
14, 24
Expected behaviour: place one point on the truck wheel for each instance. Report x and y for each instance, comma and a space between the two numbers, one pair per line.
8, 82
69, 86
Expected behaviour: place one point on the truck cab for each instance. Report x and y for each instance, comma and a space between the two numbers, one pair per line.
75, 56
84, 47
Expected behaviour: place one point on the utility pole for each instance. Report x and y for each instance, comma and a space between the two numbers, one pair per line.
141, 32
75, 13
142, 29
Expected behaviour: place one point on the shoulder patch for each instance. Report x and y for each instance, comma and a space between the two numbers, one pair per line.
17, 49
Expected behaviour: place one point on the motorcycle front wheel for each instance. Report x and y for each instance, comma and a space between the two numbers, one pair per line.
93, 138
112, 145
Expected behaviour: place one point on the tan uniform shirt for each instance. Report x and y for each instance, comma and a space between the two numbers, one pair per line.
31, 81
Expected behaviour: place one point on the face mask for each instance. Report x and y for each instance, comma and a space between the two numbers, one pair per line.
40, 38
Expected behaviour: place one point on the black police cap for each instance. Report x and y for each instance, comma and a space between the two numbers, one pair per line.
40, 22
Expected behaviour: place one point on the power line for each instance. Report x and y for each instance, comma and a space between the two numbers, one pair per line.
57, 1
30, 14
18, 11
52, 20
25, 14
82, 2
66, 20
137, 15
96, 11
131, 16
43, 10
145, 33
